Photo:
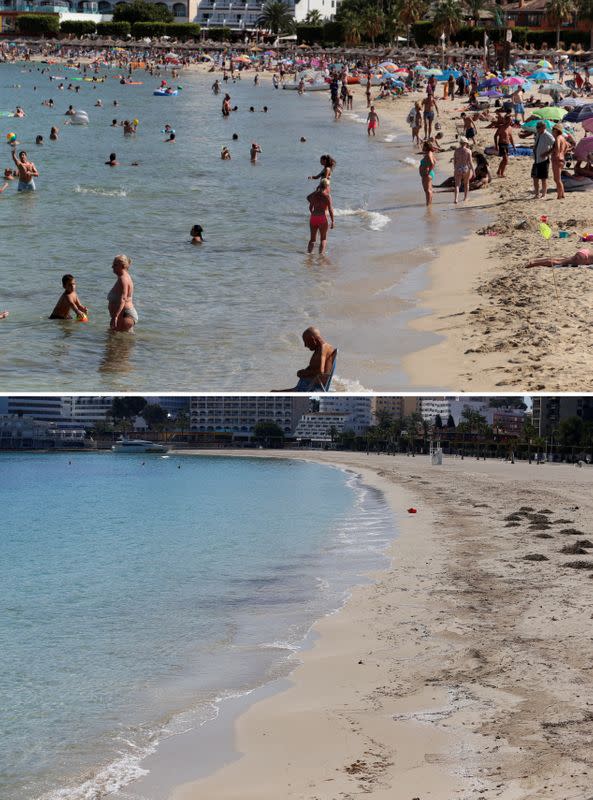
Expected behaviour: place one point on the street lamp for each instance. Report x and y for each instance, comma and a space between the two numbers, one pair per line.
443, 39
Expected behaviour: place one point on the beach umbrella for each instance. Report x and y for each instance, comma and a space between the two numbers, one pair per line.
550, 88
545, 64
522, 61
396, 83
513, 81
490, 93
490, 82
421, 69
388, 65
550, 112
435, 72
541, 75
584, 148
531, 125
588, 124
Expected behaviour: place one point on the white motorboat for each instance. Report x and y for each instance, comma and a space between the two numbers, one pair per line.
138, 446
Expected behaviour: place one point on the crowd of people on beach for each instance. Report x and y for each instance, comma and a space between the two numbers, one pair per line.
513, 117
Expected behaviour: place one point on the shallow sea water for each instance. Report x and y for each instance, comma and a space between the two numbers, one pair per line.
227, 315
133, 603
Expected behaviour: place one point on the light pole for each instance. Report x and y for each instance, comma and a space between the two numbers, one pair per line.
443, 39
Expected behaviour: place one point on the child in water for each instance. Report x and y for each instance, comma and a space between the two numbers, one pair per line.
69, 301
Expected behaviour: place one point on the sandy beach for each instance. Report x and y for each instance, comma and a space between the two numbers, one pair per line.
453, 674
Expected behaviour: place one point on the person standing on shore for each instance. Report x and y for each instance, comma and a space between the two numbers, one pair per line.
503, 139
320, 204
558, 158
429, 105
426, 170
372, 121
463, 168
542, 149
518, 106
368, 90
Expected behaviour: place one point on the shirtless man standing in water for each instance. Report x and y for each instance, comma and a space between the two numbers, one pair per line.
27, 171
316, 375
320, 204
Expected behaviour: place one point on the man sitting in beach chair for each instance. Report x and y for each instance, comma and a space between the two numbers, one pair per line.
318, 375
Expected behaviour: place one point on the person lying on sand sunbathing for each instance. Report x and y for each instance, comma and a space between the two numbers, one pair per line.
582, 258
315, 376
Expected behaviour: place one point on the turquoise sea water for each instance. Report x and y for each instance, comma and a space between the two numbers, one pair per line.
241, 300
138, 592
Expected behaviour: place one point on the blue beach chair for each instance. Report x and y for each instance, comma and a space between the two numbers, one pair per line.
318, 385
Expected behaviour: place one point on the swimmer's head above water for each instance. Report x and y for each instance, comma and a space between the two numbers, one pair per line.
196, 234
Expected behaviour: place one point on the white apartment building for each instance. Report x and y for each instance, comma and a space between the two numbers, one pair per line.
358, 410
26, 432
243, 14
431, 407
318, 426
239, 415
454, 406
49, 409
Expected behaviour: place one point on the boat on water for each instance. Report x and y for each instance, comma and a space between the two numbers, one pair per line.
138, 446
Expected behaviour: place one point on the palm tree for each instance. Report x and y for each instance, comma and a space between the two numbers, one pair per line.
409, 12
559, 11
448, 17
276, 17
585, 12
313, 18
373, 23
474, 7
353, 27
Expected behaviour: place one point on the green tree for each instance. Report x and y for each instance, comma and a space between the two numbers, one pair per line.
585, 12
38, 24
450, 421
141, 11
78, 28
438, 421
154, 415
474, 7
313, 18
353, 28
276, 17
559, 12
448, 17
373, 23
570, 431
182, 421
118, 29
125, 408
268, 433
409, 12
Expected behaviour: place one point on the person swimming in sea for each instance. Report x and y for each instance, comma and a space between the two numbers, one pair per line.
196, 234
225, 154
254, 151
121, 297
320, 204
69, 301
113, 162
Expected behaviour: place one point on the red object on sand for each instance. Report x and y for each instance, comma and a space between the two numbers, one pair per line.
412, 511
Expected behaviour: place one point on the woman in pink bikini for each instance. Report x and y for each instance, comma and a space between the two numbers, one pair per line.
320, 204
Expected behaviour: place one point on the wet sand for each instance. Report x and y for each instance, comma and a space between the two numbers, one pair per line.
453, 674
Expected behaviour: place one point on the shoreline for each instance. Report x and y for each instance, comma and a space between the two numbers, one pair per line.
457, 645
